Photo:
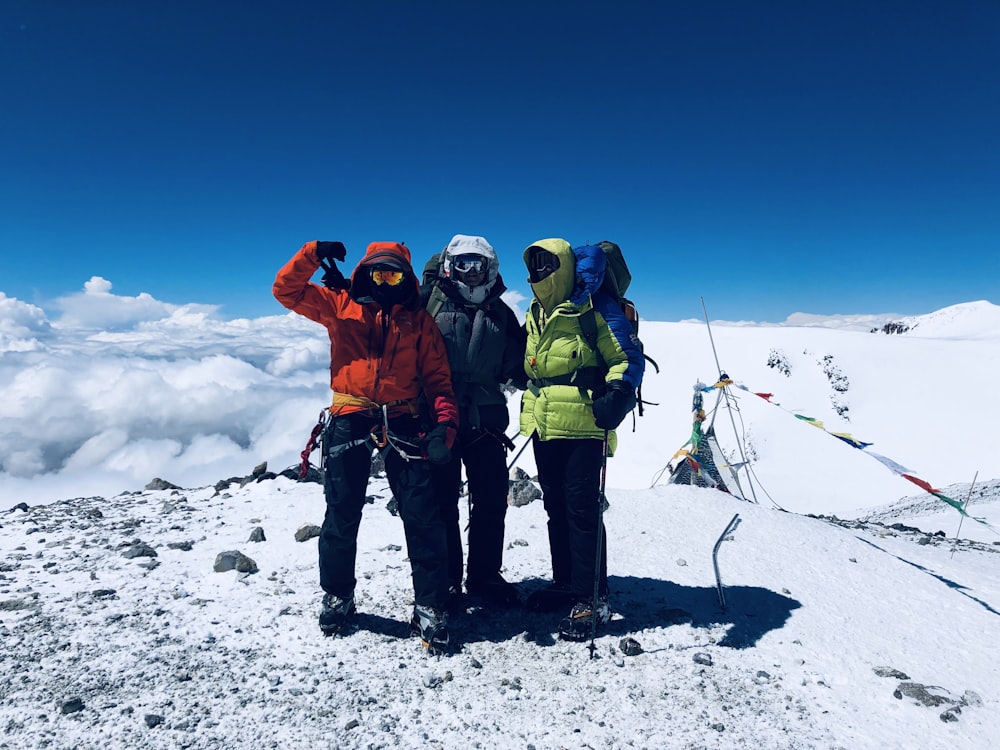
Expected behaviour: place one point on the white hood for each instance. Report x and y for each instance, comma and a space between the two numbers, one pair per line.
463, 244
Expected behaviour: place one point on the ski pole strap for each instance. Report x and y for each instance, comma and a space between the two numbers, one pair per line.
340, 400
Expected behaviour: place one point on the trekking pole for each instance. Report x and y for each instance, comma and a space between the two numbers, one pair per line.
730, 527
600, 543
518, 455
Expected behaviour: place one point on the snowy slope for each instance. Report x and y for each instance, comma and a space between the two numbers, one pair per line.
158, 652
826, 619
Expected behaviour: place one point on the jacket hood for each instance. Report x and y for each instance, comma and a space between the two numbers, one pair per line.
557, 286
392, 255
464, 244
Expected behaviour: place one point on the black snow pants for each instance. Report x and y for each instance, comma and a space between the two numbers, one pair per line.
345, 485
486, 468
569, 472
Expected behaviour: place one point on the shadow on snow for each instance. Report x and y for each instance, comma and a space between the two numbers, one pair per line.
640, 604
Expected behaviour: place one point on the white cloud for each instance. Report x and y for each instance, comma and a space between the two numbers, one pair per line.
96, 308
178, 393
21, 325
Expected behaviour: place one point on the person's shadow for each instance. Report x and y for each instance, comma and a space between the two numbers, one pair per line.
639, 604
750, 611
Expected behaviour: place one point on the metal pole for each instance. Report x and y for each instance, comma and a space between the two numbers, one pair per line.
518, 455
731, 527
962, 518
725, 392
600, 538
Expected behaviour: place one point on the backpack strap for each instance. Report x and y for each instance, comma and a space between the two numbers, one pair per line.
588, 327
436, 299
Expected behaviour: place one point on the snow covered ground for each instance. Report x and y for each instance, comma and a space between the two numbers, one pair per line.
827, 636
853, 620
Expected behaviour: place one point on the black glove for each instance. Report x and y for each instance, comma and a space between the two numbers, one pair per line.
330, 251
327, 253
436, 443
334, 279
611, 406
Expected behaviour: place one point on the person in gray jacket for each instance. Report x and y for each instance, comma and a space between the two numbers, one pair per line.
485, 344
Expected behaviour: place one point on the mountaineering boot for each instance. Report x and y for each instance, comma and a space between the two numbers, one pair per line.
335, 612
580, 622
494, 589
456, 600
432, 627
552, 598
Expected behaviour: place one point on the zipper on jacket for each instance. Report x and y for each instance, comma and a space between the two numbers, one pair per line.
384, 325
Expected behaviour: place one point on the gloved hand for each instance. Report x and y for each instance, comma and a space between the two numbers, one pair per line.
327, 253
438, 443
330, 251
611, 406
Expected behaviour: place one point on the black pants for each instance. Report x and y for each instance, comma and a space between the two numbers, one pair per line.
346, 482
569, 472
486, 468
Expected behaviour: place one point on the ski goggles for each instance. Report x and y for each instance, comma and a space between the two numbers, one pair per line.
466, 263
541, 264
387, 276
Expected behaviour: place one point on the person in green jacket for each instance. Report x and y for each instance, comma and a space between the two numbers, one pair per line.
575, 399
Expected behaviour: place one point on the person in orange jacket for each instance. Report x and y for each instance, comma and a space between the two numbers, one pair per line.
385, 351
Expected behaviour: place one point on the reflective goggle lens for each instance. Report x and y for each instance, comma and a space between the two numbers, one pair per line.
466, 263
542, 264
384, 276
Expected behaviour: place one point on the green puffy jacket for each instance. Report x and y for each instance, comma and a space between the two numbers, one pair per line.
562, 370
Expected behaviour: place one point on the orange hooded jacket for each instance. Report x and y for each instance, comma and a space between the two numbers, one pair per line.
385, 357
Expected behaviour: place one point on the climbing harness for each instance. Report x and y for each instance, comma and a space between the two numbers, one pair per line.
380, 437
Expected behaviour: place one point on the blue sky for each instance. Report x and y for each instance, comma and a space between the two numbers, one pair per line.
771, 157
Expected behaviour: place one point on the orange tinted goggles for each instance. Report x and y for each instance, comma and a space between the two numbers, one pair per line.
385, 276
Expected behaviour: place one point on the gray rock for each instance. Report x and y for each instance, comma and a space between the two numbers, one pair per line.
71, 706
925, 695
223, 484
257, 535
702, 658
950, 714
295, 474
307, 532
161, 484
630, 646
890, 672
138, 549
971, 698
234, 560
520, 489
258, 470
153, 720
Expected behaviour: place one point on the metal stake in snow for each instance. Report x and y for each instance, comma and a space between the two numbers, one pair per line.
725, 392
730, 528
962, 517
